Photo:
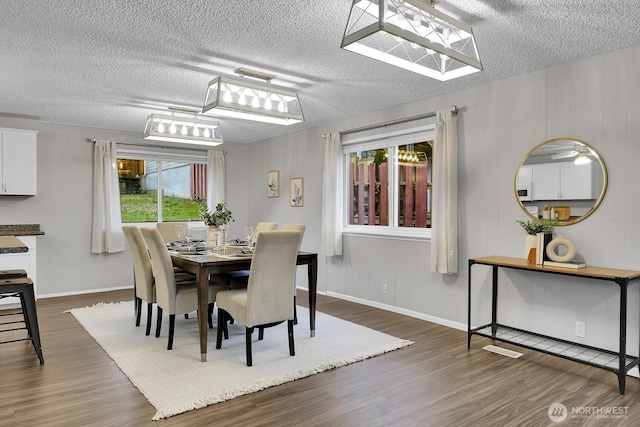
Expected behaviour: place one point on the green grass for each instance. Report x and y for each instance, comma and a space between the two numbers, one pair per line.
143, 207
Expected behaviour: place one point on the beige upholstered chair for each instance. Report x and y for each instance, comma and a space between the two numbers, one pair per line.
174, 298
268, 298
301, 228
168, 230
238, 279
263, 226
144, 284
142, 273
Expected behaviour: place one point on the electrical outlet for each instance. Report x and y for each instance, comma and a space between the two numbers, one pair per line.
581, 329
385, 288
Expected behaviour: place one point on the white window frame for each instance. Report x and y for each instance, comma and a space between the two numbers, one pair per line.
124, 151
390, 141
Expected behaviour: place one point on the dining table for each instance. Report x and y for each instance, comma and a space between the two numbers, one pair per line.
205, 264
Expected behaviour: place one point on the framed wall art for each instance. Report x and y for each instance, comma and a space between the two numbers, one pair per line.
296, 192
273, 184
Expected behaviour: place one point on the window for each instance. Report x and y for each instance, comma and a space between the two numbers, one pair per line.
157, 188
388, 183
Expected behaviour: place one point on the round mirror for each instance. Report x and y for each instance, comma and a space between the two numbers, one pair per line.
563, 179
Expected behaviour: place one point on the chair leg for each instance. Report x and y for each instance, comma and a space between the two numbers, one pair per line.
260, 333
221, 325
149, 315
248, 345
172, 327
138, 310
292, 350
186, 315
210, 315
158, 322
295, 311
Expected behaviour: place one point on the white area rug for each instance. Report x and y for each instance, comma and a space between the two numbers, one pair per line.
176, 381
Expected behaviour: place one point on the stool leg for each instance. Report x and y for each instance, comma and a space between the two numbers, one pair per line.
32, 318
24, 314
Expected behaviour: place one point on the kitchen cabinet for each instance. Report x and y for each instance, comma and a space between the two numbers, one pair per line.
564, 181
18, 162
21, 261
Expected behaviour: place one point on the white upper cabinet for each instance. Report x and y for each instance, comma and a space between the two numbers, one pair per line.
18, 162
564, 181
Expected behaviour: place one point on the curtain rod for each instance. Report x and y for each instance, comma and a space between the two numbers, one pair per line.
93, 140
454, 110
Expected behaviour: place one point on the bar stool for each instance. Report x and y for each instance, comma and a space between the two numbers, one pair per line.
15, 283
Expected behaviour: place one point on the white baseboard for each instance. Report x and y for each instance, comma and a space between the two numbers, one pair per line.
411, 313
92, 291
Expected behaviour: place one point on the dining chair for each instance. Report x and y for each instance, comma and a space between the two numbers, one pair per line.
168, 230
301, 228
238, 279
142, 273
172, 297
268, 299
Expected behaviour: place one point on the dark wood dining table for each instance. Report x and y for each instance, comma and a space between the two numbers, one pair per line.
204, 265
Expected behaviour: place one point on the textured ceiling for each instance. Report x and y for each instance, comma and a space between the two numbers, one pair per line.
109, 64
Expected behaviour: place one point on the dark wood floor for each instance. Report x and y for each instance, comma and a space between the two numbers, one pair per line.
435, 382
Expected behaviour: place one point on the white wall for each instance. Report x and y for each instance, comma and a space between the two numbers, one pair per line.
596, 100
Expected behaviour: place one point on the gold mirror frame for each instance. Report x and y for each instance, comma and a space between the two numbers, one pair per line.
562, 145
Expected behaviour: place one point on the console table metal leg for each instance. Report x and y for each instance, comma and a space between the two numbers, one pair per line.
622, 373
471, 262
494, 301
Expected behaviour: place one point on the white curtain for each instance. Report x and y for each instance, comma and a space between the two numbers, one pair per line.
444, 226
215, 178
332, 200
107, 235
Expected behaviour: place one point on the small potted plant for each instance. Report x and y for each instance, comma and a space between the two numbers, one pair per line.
218, 217
533, 227
217, 221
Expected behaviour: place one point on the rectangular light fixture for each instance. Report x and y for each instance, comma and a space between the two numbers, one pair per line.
244, 100
162, 127
413, 35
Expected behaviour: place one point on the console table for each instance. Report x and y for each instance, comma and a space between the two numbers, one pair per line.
618, 362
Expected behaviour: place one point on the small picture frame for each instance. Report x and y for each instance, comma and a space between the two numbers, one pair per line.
273, 184
296, 192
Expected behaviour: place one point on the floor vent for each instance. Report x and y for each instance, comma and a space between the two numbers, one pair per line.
502, 351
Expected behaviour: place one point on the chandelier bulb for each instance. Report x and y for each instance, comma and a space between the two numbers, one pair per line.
161, 128
172, 128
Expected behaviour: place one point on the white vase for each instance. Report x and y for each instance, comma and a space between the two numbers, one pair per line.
214, 237
530, 242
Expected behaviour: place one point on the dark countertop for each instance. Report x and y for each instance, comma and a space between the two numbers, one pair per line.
21, 230
12, 245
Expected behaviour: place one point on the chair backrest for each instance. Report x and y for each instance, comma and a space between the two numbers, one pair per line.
141, 263
168, 230
162, 269
263, 226
271, 278
297, 227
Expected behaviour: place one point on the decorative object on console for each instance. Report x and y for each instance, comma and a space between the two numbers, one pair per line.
561, 241
413, 35
571, 264
542, 240
533, 228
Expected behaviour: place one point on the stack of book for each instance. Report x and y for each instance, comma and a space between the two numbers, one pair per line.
543, 240
568, 264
